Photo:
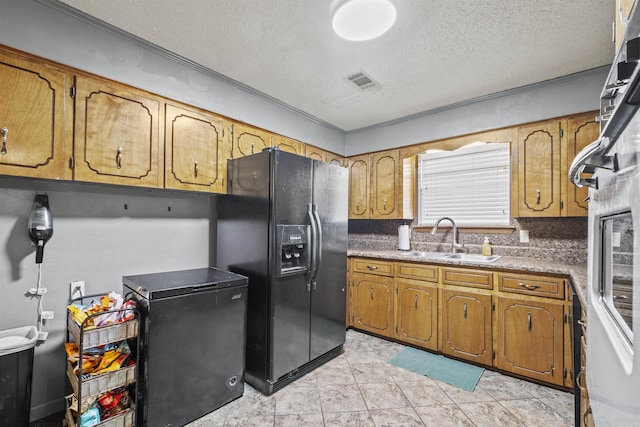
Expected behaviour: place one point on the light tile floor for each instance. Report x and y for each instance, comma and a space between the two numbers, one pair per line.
359, 388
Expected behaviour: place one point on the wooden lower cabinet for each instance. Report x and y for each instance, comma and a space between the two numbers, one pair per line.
372, 303
515, 322
531, 339
466, 325
416, 313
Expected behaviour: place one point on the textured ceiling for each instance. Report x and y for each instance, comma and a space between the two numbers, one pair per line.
438, 53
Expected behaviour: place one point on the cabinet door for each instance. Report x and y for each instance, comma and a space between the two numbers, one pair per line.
337, 160
539, 170
196, 150
384, 185
416, 314
248, 140
373, 303
581, 131
289, 145
116, 134
466, 325
359, 187
316, 153
530, 339
34, 118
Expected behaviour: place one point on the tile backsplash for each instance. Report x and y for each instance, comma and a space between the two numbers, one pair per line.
561, 239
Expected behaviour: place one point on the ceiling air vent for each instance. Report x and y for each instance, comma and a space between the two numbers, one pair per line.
361, 80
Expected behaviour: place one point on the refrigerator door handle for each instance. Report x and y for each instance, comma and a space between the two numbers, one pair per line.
314, 237
318, 245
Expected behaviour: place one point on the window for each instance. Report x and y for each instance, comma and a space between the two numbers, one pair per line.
616, 272
470, 185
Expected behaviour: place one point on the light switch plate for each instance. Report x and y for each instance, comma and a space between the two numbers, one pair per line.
524, 236
615, 240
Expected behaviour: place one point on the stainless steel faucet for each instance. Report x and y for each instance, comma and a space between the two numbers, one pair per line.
455, 244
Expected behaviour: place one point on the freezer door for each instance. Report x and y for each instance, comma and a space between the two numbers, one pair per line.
290, 298
328, 295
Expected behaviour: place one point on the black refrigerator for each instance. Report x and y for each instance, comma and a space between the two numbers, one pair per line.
283, 224
192, 332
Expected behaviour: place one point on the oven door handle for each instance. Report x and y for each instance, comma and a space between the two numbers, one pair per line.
589, 160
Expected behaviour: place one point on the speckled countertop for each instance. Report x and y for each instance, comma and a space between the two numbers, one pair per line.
577, 272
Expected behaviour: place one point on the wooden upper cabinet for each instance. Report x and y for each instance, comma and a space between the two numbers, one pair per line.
34, 118
337, 160
384, 185
289, 145
116, 134
545, 152
359, 187
247, 140
196, 150
581, 131
539, 165
324, 156
622, 13
316, 153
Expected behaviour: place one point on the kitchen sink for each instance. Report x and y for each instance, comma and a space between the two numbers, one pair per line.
423, 254
473, 257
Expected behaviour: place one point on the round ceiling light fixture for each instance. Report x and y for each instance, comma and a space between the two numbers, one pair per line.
359, 20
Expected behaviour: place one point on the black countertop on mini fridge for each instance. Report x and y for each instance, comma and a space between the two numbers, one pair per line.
181, 282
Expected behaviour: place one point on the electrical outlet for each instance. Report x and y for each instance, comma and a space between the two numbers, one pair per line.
76, 289
47, 315
524, 236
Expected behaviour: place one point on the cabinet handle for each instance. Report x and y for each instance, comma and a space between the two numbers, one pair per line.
580, 380
465, 310
415, 301
528, 286
529, 321
372, 267
371, 292
4, 131
384, 204
585, 417
582, 322
119, 158
357, 205
195, 168
538, 196
252, 148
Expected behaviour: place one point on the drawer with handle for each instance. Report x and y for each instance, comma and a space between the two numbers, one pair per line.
529, 284
373, 266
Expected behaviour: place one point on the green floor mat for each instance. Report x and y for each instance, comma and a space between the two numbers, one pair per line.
437, 367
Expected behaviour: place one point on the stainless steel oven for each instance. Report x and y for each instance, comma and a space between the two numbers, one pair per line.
609, 166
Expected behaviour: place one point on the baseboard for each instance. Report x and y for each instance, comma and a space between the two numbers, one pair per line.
45, 409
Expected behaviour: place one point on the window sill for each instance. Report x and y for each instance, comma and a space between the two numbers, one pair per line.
498, 229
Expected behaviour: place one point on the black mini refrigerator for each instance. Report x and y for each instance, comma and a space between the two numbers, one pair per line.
192, 332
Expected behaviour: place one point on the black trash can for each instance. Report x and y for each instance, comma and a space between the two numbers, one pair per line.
16, 369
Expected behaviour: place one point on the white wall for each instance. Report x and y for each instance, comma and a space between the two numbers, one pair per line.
97, 240
47, 32
555, 98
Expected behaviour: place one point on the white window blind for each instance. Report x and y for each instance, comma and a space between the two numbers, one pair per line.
470, 185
